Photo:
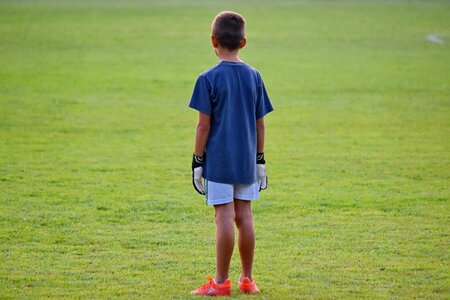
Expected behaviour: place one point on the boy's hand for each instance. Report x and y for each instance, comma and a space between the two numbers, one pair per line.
262, 174
197, 170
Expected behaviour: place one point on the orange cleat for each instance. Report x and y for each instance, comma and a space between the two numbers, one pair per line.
247, 286
213, 289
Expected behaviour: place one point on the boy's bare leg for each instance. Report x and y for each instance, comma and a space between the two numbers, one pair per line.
246, 240
224, 217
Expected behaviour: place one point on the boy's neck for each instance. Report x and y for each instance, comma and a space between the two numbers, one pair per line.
227, 55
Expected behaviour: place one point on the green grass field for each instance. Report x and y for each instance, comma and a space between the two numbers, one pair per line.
96, 137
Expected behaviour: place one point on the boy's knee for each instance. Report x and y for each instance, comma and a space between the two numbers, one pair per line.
243, 216
224, 216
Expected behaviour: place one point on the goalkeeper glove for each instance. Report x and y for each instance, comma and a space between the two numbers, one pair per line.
262, 174
197, 170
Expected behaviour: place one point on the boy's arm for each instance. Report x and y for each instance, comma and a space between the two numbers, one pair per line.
201, 137
260, 162
260, 133
202, 133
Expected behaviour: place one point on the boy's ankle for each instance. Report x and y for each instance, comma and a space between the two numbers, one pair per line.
219, 281
242, 277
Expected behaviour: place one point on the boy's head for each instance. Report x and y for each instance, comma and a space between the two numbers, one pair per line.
228, 29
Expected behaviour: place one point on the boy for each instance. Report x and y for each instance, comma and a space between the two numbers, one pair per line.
229, 149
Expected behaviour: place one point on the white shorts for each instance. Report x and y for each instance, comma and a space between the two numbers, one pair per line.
222, 193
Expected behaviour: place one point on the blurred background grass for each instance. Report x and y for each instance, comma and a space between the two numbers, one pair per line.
96, 199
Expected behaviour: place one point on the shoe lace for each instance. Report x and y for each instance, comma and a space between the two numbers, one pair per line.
207, 285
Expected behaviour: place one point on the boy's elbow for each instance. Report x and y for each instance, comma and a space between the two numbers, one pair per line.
260, 124
203, 127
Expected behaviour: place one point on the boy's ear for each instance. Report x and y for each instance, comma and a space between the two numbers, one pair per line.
243, 43
214, 42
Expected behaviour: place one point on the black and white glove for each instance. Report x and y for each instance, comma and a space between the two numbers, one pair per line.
262, 174
197, 170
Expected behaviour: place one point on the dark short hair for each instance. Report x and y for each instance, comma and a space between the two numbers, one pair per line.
228, 28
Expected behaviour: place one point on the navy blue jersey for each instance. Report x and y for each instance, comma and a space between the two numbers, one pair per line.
234, 96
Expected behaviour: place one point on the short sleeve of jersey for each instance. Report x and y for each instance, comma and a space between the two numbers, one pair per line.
201, 99
263, 104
